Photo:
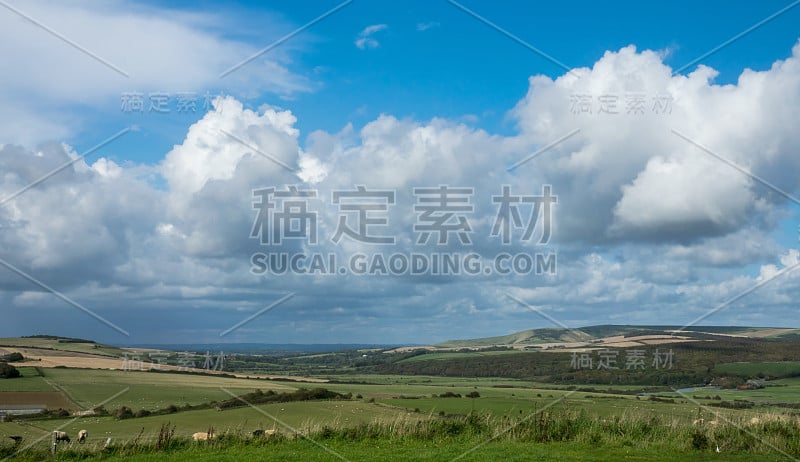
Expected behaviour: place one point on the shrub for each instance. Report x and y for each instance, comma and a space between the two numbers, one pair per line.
473, 394
14, 357
7, 371
123, 413
302, 394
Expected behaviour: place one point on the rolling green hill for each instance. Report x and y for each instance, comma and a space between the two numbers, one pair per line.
587, 334
52, 342
525, 337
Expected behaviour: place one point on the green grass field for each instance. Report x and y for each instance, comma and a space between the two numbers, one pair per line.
777, 391
29, 381
337, 451
384, 399
553, 434
773, 369
304, 416
149, 390
87, 388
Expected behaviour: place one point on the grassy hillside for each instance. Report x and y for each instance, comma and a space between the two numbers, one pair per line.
587, 334
387, 450
62, 344
693, 363
394, 417
761, 369
145, 390
548, 434
525, 337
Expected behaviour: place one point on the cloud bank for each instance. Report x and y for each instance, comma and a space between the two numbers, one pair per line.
648, 226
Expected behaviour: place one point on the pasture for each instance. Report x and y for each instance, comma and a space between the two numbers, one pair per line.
462, 450
768, 369
554, 433
401, 403
29, 380
303, 416
151, 390
781, 391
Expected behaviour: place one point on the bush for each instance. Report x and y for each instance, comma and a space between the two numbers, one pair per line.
473, 394
7, 371
303, 394
123, 413
735, 404
14, 357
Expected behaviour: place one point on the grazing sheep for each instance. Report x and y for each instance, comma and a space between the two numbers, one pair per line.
713, 423
258, 432
82, 435
264, 432
698, 422
203, 436
60, 436
755, 421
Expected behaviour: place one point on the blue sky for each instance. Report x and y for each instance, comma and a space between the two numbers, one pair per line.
155, 224
457, 66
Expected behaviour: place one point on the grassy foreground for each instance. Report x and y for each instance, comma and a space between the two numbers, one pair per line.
304, 451
546, 435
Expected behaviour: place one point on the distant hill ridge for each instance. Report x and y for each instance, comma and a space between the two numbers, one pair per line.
589, 333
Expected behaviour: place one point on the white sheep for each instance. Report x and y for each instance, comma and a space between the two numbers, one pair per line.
60, 436
203, 436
